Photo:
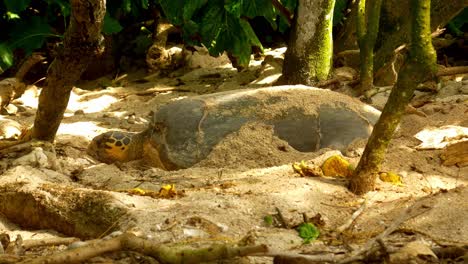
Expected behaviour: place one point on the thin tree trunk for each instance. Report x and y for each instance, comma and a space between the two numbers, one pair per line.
367, 29
81, 43
309, 55
419, 67
395, 27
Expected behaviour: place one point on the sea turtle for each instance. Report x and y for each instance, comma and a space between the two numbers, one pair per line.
184, 132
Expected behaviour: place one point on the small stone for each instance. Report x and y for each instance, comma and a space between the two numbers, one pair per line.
131, 119
79, 112
431, 109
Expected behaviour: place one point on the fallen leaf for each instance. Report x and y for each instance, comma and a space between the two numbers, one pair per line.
307, 170
391, 177
167, 191
337, 166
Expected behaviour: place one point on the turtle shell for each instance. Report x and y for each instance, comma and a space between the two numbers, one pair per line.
184, 132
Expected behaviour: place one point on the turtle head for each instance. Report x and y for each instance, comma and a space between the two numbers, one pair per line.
115, 146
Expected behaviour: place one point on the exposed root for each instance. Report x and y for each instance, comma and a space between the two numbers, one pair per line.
161, 252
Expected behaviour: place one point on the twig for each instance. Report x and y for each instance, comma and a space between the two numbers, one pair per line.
407, 214
355, 215
30, 243
281, 218
328, 82
283, 10
160, 90
383, 246
300, 258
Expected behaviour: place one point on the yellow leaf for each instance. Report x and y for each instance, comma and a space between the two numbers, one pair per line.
167, 191
337, 166
307, 170
391, 177
136, 191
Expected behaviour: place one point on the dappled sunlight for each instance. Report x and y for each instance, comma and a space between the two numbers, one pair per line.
30, 98
268, 78
440, 137
93, 105
85, 129
368, 108
445, 183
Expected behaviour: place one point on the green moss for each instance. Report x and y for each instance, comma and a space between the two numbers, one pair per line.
321, 52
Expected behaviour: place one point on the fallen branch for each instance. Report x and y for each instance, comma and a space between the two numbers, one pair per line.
160, 90
56, 241
18, 145
161, 252
452, 71
288, 258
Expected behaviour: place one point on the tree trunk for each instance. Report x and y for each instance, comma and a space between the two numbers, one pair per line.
395, 27
420, 66
309, 55
81, 43
367, 29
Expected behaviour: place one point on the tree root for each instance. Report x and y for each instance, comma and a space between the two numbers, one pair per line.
162, 253
76, 212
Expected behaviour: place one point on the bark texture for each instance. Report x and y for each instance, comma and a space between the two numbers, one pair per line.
367, 28
82, 42
395, 27
419, 67
81, 213
309, 55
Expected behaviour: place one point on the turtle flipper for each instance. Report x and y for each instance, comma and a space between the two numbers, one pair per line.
115, 146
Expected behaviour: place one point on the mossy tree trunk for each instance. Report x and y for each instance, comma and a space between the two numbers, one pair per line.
310, 49
394, 29
367, 29
81, 43
419, 66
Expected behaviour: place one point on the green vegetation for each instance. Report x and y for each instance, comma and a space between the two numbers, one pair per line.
308, 231
219, 25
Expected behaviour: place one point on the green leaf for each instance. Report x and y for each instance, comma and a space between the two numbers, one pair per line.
111, 25
211, 24
172, 10
308, 232
6, 57
250, 34
127, 6
12, 16
30, 34
289, 4
268, 220
142, 43
191, 30
144, 4
255, 8
191, 7
16, 6
338, 12
233, 7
